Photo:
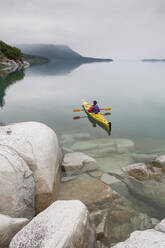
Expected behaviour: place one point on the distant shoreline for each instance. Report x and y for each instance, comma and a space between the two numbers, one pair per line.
153, 60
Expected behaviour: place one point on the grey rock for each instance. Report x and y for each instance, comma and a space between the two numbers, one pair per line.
9, 227
96, 174
100, 219
77, 163
143, 158
161, 226
159, 162
144, 239
92, 192
17, 190
114, 162
107, 179
37, 145
67, 140
67, 179
154, 221
115, 145
63, 224
81, 136
83, 146
147, 180
66, 150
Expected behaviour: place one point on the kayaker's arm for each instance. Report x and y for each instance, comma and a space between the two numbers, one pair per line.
91, 108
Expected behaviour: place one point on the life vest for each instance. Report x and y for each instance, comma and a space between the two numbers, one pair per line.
95, 109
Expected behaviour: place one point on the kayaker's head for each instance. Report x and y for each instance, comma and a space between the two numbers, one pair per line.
94, 102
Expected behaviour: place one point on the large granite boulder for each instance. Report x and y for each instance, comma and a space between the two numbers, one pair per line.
77, 163
9, 227
63, 224
17, 189
37, 145
153, 238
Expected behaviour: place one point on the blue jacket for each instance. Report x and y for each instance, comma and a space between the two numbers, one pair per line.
94, 109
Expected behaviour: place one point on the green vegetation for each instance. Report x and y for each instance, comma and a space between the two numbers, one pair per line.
10, 52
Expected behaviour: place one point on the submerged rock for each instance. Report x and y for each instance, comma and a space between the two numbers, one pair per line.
96, 174
69, 138
9, 227
65, 150
77, 163
105, 145
100, 218
67, 179
114, 161
143, 158
92, 192
100, 244
80, 136
63, 224
114, 216
159, 162
147, 181
83, 145
108, 179
115, 222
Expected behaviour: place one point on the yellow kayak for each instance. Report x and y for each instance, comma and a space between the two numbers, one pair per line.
97, 117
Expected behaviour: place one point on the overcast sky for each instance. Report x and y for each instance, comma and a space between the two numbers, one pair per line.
107, 28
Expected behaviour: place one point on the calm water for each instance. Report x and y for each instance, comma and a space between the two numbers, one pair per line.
48, 93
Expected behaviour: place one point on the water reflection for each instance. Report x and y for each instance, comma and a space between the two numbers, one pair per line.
7, 79
57, 68
96, 123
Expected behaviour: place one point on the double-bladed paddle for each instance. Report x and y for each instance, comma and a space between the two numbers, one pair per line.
79, 117
78, 110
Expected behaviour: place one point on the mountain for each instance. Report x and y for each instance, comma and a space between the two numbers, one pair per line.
57, 52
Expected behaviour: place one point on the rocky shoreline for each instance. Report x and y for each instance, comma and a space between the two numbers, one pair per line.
10, 65
57, 194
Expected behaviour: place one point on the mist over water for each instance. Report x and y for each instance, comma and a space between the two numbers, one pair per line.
134, 90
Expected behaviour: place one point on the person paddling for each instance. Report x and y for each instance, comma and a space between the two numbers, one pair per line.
94, 108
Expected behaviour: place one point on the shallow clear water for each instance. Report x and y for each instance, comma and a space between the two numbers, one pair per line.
134, 90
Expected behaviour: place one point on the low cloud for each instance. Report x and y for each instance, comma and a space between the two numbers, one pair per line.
129, 28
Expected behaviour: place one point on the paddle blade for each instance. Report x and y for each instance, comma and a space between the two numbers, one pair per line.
76, 117
76, 110
107, 108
